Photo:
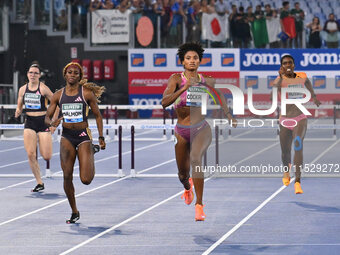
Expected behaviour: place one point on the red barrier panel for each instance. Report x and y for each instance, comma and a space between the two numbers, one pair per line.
87, 69
97, 70
109, 72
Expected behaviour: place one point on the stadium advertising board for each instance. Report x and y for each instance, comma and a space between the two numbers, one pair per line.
150, 69
259, 68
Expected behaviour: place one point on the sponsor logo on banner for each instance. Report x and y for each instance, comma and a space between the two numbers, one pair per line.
137, 60
227, 59
145, 100
319, 82
270, 81
178, 61
337, 82
206, 59
159, 60
252, 82
305, 59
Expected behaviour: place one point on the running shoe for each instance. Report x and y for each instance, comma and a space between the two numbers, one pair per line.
38, 188
96, 148
199, 214
298, 189
188, 195
74, 218
286, 181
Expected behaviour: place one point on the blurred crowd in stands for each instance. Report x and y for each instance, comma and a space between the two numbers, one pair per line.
256, 26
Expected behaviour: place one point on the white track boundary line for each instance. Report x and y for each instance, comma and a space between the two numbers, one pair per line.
244, 220
121, 224
12, 149
148, 209
25, 161
81, 194
99, 160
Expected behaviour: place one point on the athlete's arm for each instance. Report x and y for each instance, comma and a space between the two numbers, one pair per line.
45, 91
211, 82
20, 103
92, 101
278, 81
170, 94
48, 94
309, 86
52, 109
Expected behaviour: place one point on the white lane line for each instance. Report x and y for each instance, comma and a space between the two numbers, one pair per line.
244, 220
12, 149
81, 194
284, 244
120, 224
25, 161
16, 184
99, 160
19, 147
148, 209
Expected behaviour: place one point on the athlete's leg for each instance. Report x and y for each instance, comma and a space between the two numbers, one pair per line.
67, 158
30, 143
45, 145
182, 150
198, 147
298, 136
286, 139
86, 162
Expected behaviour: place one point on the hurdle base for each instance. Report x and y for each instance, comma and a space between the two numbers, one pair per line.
133, 173
120, 173
48, 173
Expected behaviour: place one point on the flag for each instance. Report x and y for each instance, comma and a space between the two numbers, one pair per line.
259, 30
289, 26
273, 29
215, 27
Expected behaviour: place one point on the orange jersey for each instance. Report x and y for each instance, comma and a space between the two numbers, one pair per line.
297, 82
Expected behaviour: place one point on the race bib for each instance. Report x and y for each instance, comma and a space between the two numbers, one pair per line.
195, 96
72, 113
295, 95
32, 101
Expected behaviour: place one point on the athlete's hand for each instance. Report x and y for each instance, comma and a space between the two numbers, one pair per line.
281, 71
233, 121
316, 101
102, 143
52, 129
55, 123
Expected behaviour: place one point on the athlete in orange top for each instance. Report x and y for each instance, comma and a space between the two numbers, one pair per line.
293, 125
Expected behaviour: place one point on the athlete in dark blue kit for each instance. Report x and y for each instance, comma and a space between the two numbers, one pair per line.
74, 101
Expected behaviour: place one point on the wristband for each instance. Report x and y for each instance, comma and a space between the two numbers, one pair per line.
102, 137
